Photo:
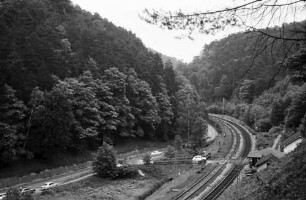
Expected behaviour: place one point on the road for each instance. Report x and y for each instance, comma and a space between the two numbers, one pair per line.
78, 175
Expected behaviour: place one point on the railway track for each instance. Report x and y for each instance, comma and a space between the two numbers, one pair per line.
214, 193
203, 182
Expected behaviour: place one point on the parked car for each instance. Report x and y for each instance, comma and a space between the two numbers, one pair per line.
26, 190
250, 172
48, 185
207, 155
2, 196
155, 153
198, 158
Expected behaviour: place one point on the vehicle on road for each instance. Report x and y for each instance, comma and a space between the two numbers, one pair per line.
155, 153
2, 196
26, 190
198, 158
206, 154
48, 185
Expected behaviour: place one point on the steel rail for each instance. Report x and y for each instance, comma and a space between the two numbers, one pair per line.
213, 194
204, 181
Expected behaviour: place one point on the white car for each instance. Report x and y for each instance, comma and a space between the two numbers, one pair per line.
155, 153
27, 190
2, 195
198, 158
48, 185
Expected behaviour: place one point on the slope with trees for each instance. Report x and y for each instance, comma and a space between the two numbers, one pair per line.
71, 80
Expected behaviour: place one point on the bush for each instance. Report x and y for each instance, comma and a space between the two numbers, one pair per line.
170, 152
263, 125
12, 194
27, 197
214, 109
147, 159
104, 162
178, 142
126, 172
153, 188
49, 192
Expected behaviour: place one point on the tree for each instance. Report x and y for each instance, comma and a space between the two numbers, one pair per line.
224, 88
277, 113
104, 162
249, 16
165, 112
143, 103
242, 14
125, 120
202, 110
199, 133
297, 109
12, 120
170, 152
178, 142
170, 82
302, 126
296, 66
187, 101
147, 159
246, 91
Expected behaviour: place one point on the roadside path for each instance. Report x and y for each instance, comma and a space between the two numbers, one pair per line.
212, 133
276, 142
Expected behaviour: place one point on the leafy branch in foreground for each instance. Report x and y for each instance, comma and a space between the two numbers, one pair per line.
248, 15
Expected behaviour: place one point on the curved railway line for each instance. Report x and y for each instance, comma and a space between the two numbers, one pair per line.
238, 133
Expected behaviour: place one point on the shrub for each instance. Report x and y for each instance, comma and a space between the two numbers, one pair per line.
26, 197
178, 142
214, 109
104, 162
153, 188
12, 194
147, 159
49, 192
126, 172
170, 152
263, 125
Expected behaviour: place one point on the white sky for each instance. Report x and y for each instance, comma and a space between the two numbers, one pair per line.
125, 13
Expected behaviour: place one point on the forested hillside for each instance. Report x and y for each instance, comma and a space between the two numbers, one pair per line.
224, 65
70, 80
264, 86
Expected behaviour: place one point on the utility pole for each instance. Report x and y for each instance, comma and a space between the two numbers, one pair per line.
188, 97
223, 106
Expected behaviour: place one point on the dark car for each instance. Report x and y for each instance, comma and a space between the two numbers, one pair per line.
27, 190
208, 155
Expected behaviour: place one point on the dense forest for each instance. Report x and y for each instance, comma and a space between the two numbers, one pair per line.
70, 80
261, 84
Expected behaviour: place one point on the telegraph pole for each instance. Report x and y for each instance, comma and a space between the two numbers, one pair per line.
188, 97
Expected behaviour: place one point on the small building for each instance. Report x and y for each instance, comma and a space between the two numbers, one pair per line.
254, 156
291, 143
261, 159
265, 161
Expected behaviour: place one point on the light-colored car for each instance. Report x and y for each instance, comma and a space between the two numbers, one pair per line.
155, 153
198, 158
26, 190
2, 195
48, 185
